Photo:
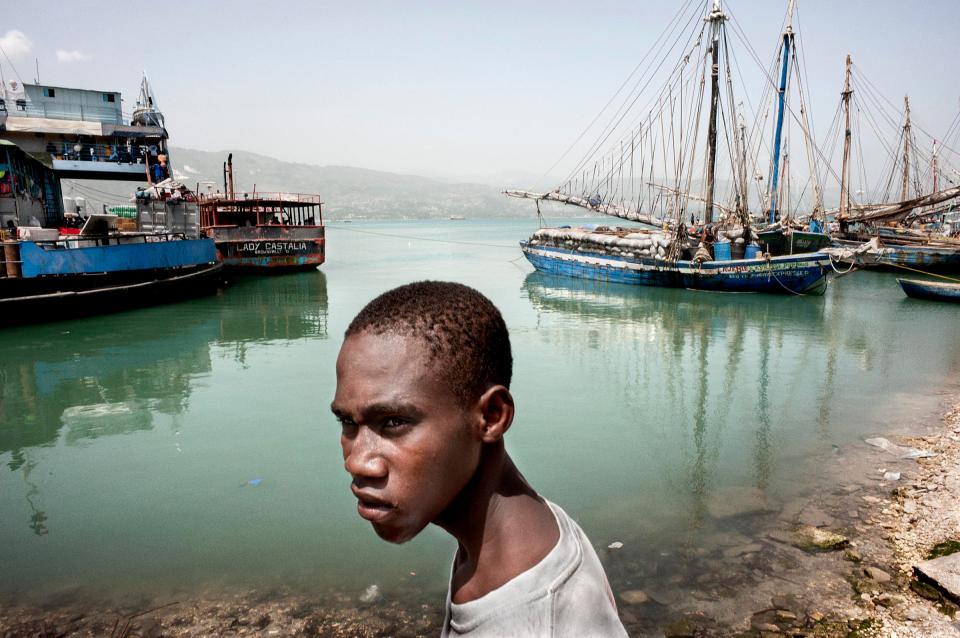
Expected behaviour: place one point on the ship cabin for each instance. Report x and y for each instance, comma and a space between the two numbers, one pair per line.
260, 209
84, 134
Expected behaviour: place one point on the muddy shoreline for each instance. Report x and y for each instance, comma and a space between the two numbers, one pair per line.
836, 562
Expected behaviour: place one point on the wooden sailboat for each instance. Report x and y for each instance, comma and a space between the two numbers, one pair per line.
901, 247
714, 254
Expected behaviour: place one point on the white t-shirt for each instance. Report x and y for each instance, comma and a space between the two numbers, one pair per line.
564, 595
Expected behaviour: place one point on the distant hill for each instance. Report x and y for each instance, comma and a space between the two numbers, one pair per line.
348, 191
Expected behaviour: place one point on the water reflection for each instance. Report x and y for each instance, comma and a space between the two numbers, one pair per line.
73, 383
98, 382
713, 362
290, 306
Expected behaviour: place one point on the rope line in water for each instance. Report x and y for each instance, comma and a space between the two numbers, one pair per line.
841, 273
782, 285
433, 239
923, 272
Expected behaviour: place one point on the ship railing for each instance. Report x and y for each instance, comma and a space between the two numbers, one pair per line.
83, 113
293, 198
117, 153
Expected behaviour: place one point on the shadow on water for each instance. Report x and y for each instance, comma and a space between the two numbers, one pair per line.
74, 382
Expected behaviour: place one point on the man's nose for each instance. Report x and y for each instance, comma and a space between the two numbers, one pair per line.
362, 456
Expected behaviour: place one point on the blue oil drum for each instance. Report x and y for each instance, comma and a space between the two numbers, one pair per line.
751, 251
721, 251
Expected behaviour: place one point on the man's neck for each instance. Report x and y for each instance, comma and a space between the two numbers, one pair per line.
502, 526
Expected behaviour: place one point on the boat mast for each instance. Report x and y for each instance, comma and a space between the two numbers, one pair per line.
716, 18
781, 99
906, 151
742, 205
933, 165
844, 171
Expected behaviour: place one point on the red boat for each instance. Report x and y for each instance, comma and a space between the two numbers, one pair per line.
264, 232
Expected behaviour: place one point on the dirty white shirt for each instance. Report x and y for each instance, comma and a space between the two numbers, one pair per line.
565, 595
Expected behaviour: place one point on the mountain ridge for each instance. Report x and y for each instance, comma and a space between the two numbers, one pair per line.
347, 191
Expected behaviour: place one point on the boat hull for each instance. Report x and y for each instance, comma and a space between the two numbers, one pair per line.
931, 290
53, 298
798, 274
270, 249
937, 259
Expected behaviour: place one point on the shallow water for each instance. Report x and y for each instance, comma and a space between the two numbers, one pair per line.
128, 442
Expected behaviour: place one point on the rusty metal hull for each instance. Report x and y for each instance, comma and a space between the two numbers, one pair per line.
269, 249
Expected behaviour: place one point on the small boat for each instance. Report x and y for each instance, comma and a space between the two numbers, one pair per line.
263, 232
931, 290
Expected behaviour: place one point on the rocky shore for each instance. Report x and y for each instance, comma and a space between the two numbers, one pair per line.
839, 562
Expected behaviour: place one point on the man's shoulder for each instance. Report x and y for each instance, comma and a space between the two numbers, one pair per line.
565, 594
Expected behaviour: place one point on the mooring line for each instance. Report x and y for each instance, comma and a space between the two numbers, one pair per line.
414, 237
923, 272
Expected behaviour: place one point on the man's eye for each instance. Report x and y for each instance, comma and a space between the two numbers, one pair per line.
394, 423
346, 423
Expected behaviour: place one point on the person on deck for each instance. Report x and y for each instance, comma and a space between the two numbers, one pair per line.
423, 401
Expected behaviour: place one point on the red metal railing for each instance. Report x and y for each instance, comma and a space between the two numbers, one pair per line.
294, 198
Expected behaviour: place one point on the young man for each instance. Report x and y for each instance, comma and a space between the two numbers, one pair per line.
423, 399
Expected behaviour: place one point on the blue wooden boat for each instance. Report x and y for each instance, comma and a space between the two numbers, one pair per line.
932, 290
715, 252
791, 274
941, 258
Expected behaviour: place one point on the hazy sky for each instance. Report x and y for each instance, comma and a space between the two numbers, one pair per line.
458, 89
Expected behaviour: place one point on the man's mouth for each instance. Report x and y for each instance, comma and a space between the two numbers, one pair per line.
373, 509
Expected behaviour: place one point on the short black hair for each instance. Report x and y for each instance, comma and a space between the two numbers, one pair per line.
464, 330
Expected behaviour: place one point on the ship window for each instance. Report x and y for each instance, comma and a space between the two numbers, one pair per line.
49, 92
109, 97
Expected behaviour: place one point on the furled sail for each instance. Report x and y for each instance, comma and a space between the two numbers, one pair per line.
594, 204
900, 210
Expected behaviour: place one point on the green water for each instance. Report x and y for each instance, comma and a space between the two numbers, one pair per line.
127, 441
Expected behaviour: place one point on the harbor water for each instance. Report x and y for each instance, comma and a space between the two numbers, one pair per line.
188, 449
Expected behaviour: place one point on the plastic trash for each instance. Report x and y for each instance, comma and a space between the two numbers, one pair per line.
615, 545
370, 594
255, 482
891, 476
902, 451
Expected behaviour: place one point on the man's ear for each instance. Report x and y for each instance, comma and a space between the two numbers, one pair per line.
496, 413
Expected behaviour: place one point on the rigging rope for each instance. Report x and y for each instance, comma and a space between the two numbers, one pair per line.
431, 239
